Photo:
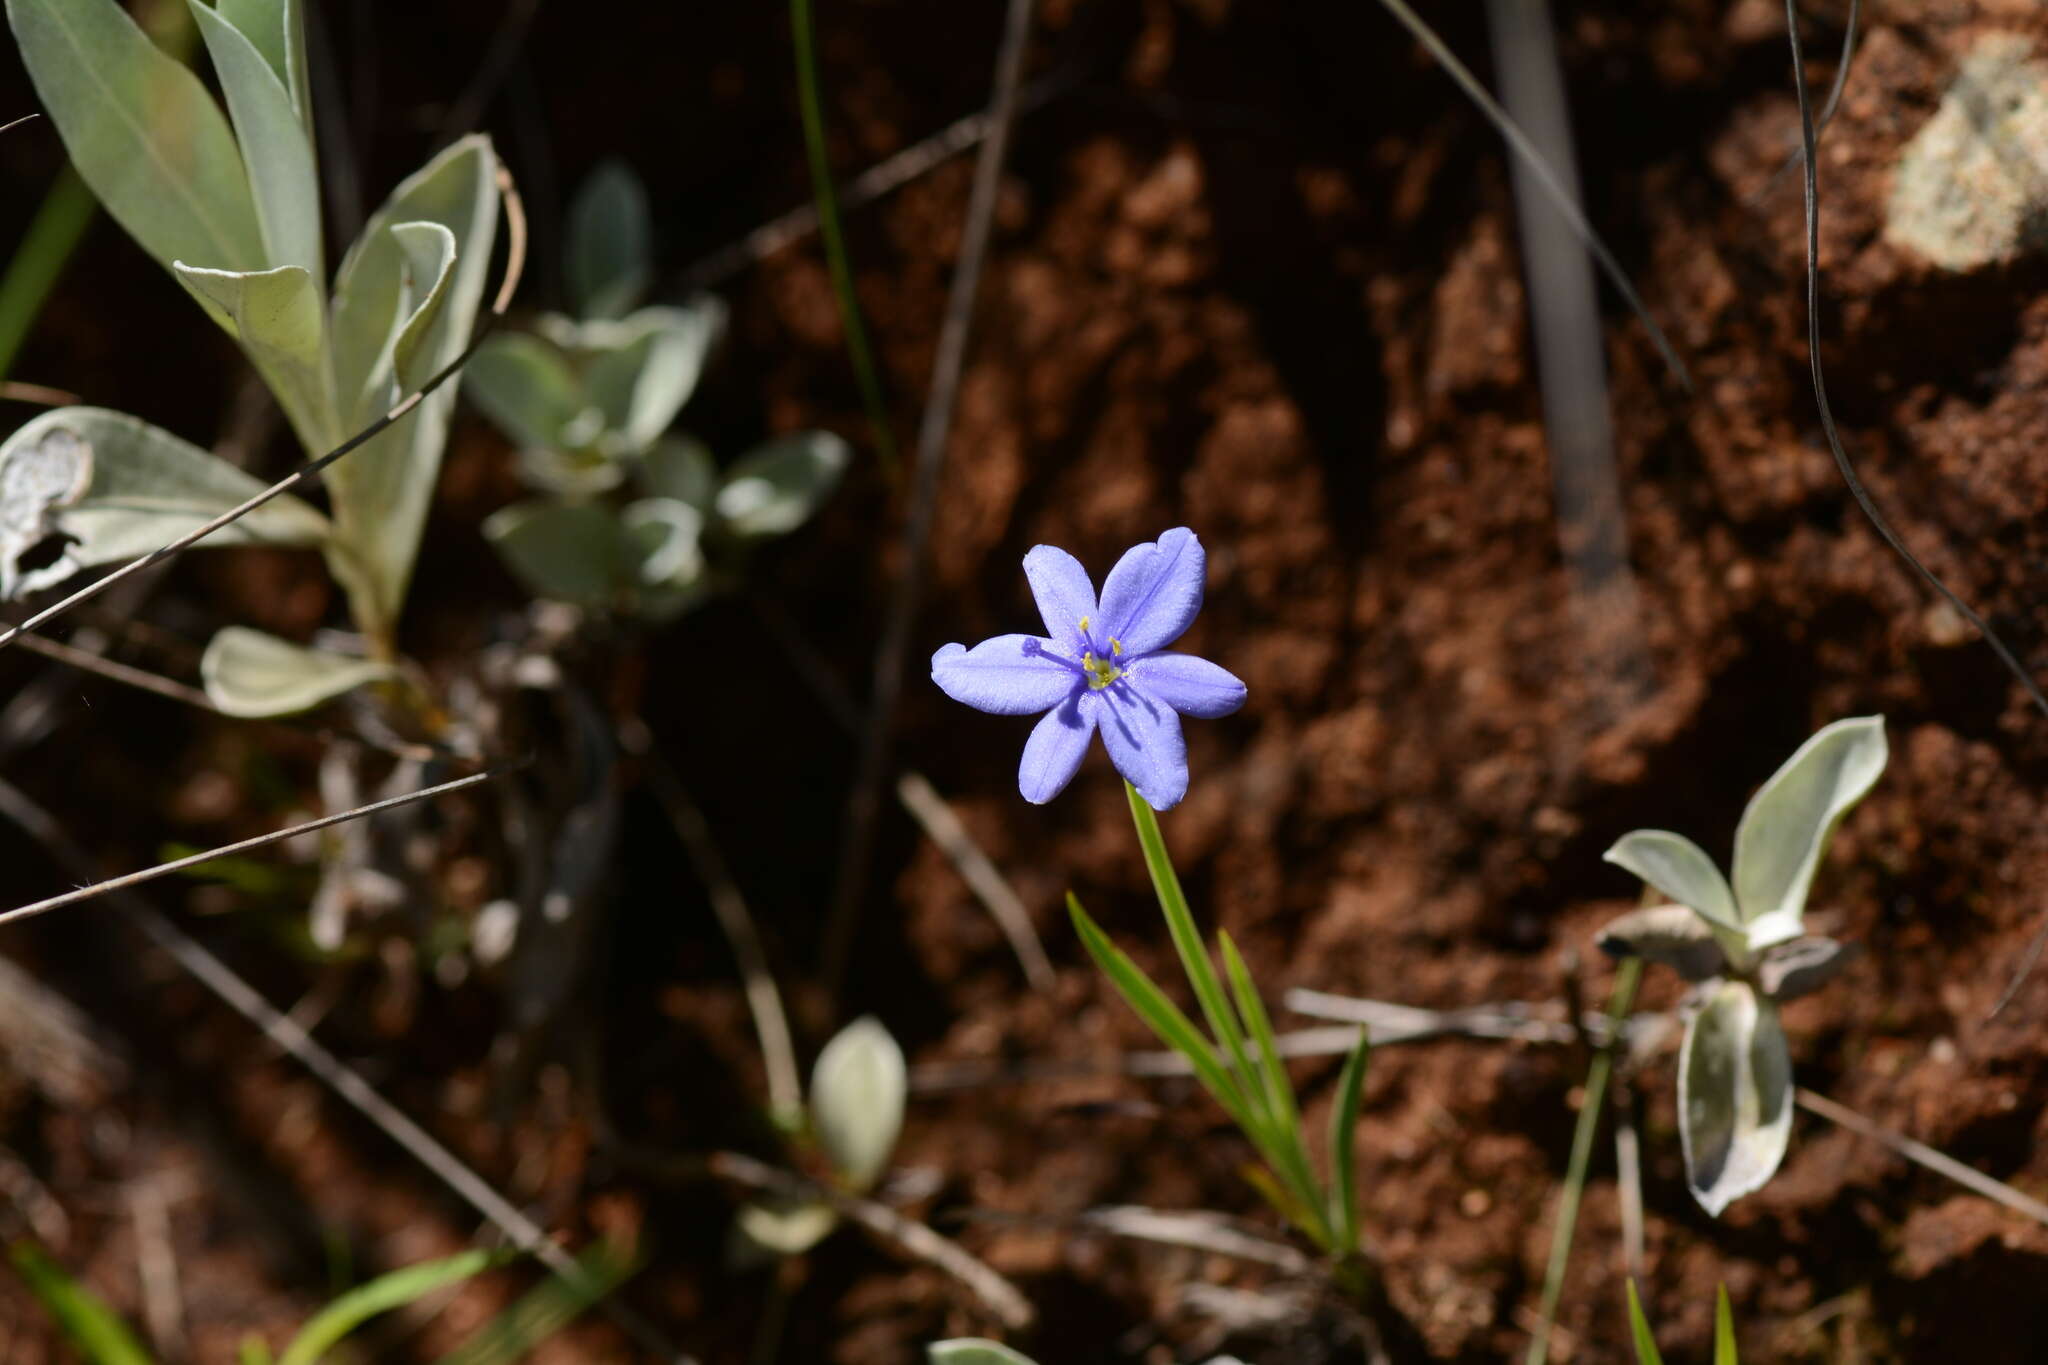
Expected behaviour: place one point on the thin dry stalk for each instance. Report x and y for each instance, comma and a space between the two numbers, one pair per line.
927, 806
331, 1071
150, 874
764, 1001
864, 808
890, 173
996, 1293
156, 1265
1530, 156
89, 662
930, 810
1968, 1177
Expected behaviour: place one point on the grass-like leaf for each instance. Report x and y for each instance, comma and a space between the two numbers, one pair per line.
1724, 1329
1162, 1015
1639, 1328
1187, 939
1344, 1144
1626, 978
1283, 1114
381, 1295
547, 1308
98, 1333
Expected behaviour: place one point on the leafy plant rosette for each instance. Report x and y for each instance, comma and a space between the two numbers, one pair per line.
1744, 948
230, 205
630, 517
852, 1118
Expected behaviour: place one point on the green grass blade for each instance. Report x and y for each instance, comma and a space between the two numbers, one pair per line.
1344, 1143
546, 1309
1187, 941
1164, 1017
1626, 977
381, 1295
95, 1329
1290, 1157
32, 272
1724, 1329
252, 1351
1646, 1345
804, 38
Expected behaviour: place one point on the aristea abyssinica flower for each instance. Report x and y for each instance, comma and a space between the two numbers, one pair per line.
1101, 665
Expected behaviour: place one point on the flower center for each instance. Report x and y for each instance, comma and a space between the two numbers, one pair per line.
1101, 672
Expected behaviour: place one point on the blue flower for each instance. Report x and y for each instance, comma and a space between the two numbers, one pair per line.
1101, 665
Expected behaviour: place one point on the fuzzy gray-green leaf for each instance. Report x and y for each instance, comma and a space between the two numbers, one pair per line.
115, 487
280, 318
775, 489
858, 1090
572, 552
277, 149
142, 131
1734, 1095
388, 322
1673, 935
526, 387
972, 1351
249, 673
611, 242
1679, 868
1786, 828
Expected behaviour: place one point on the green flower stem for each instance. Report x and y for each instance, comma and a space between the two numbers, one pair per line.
803, 37
1271, 1117
1626, 978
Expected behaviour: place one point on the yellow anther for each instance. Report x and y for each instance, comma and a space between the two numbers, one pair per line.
1116, 647
1101, 672
1084, 625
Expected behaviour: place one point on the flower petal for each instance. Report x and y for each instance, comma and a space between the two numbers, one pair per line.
1057, 745
1008, 675
1150, 598
1144, 741
1191, 686
1065, 596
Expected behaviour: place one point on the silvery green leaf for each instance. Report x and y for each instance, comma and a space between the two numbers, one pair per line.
142, 131
568, 551
611, 236
277, 148
642, 369
1802, 966
280, 318
526, 387
664, 533
381, 491
278, 30
115, 487
1680, 869
768, 1230
1788, 823
572, 471
972, 1351
1734, 1095
858, 1090
249, 673
681, 467
1674, 935
775, 489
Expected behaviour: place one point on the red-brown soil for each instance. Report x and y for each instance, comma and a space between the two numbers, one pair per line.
1255, 272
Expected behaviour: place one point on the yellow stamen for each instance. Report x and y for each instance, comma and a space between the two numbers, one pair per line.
1116, 647
1101, 672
